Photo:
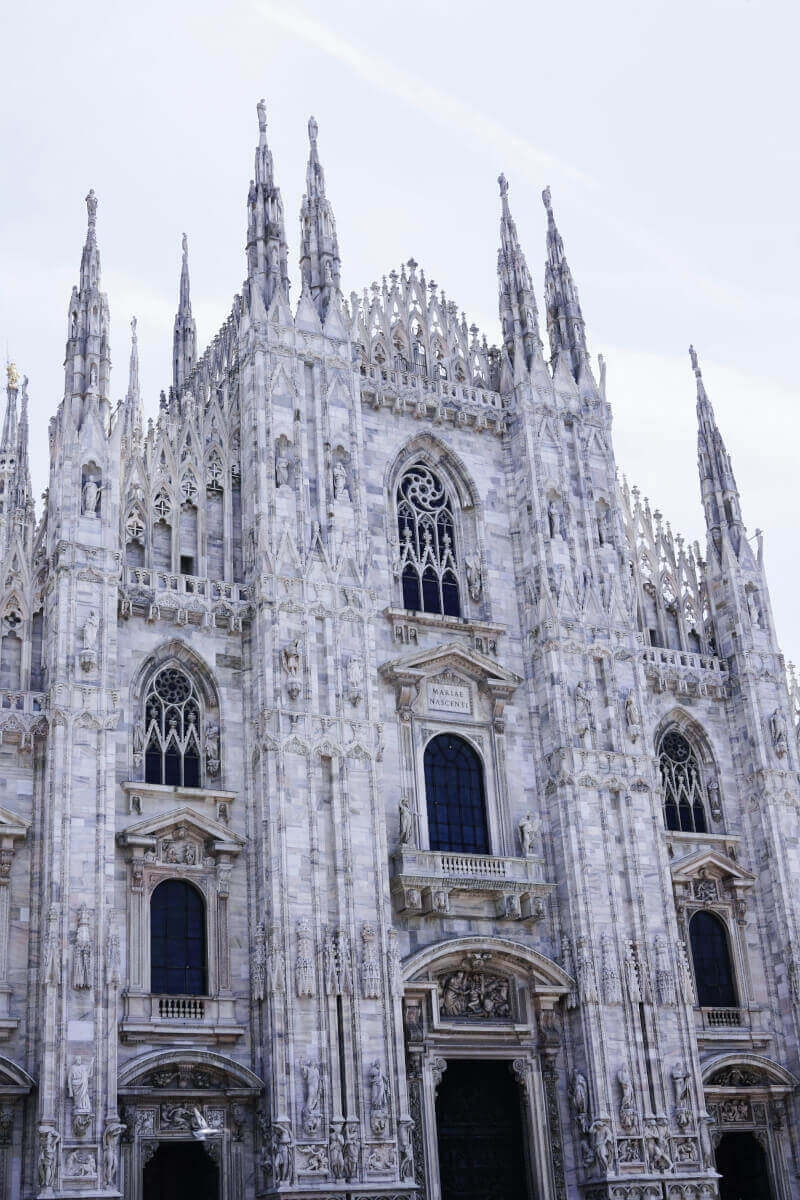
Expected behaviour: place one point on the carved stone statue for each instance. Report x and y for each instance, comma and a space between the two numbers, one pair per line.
336, 1152
78, 1078
579, 1100
212, 750
583, 710
90, 628
529, 828
683, 1101
291, 658
602, 1144
754, 608
304, 962
111, 1135
632, 718
351, 1151
283, 1155
49, 1139
405, 1150
91, 495
313, 1086
282, 465
476, 995
355, 679
627, 1107
777, 728
406, 834
555, 519
340, 490
378, 1088
474, 580
657, 1145
83, 957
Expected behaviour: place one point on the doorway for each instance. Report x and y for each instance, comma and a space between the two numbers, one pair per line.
742, 1163
479, 1126
181, 1171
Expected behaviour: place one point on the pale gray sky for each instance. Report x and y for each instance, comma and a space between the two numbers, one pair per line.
667, 131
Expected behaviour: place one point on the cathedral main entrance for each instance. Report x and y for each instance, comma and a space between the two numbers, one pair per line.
742, 1163
479, 1126
181, 1171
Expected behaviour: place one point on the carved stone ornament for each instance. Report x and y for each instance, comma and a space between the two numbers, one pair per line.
312, 1106
291, 657
82, 963
475, 995
683, 1098
258, 963
338, 968
305, 982
80, 1164
370, 966
378, 1082
609, 974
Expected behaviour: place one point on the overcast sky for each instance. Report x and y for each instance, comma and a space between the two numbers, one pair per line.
667, 131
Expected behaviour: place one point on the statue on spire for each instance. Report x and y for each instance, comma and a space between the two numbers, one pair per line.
91, 208
313, 130
501, 179
261, 109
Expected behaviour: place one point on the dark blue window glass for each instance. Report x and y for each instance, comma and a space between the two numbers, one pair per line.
455, 796
711, 956
177, 940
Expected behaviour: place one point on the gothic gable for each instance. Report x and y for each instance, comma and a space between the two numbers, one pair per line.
181, 831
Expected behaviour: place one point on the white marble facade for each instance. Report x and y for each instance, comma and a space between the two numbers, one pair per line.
248, 540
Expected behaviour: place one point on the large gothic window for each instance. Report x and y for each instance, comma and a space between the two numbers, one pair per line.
684, 794
427, 544
711, 957
455, 796
172, 729
177, 940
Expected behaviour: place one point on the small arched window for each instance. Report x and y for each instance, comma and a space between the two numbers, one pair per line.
455, 796
172, 729
711, 958
427, 544
684, 792
177, 940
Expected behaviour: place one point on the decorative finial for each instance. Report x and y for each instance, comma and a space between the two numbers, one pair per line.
501, 179
91, 208
185, 245
547, 201
313, 130
261, 109
693, 357
133, 329
12, 374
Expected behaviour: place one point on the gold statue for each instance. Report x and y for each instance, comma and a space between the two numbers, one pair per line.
13, 375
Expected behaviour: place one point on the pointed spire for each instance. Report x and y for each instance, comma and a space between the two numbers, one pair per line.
133, 401
718, 490
87, 366
184, 337
518, 313
16, 512
267, 253
565, 324
319, 245
8, 442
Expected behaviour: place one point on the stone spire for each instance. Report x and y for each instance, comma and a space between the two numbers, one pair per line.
565, 324
518, 313
87, 366
718, 491
267, 254
15, 476
184, 338
319, 245
133, 401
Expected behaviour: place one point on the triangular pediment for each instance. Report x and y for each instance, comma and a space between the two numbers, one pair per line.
12, 825
193, 826
707, 862
425, 663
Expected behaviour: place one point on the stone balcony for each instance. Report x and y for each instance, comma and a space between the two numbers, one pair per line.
444, 883
685, 673
725, 1025
189, 1020
186, 599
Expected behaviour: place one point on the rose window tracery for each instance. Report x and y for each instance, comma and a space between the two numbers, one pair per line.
172, 730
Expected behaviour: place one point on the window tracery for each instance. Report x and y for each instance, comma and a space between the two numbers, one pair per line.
172, 730
426, 526
684, 790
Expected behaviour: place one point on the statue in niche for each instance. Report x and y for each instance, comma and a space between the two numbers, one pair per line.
406, 1165
351, 1151
656, 1144
49, 1139
355, 679
777, 728
90, 628
340, 489
111, 1135
602, 1144
683, 1103
291, 658
627, 1108
529, 828
91, 497
93, 375
754, 608
336, 1152
282, 465
282, 1154
313, 1083
378, 1088
406, 835
555, 518
78, 1078
82, 962
583, 710
212, 750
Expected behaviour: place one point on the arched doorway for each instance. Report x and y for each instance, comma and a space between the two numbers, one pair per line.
479, 1130
742, 1163
181, 1171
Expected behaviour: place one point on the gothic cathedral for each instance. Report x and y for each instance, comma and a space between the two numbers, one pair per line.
392, 806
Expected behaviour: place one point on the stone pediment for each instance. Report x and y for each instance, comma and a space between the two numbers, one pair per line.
12, 825
453, 665
183, 825
709, 863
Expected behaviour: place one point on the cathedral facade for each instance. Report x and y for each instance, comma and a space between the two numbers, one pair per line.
392, 806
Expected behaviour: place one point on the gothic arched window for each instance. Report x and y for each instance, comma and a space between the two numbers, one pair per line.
455, 796
172, 713
711, 958
684, 793
177, 940
427, 544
